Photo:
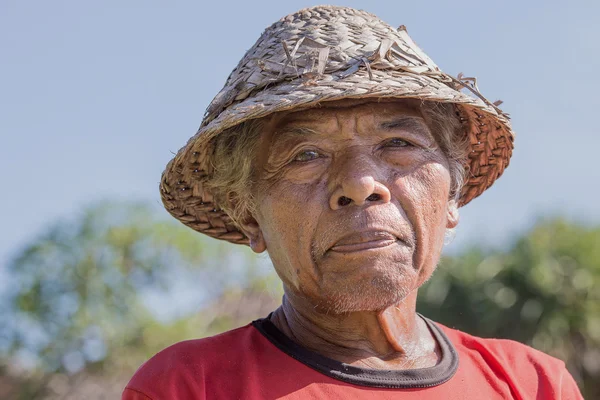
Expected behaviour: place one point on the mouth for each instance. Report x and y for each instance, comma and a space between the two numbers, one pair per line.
362, 241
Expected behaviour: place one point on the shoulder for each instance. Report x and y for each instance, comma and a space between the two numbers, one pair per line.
510, 352
523, 368
180, 370
196, 353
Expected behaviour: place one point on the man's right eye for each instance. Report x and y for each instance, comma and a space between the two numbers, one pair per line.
307, 155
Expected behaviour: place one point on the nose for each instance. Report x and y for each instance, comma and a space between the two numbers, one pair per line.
357, 184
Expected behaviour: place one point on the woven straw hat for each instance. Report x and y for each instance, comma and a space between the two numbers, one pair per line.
320, 54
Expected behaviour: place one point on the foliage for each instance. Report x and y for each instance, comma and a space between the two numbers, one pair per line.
77, 288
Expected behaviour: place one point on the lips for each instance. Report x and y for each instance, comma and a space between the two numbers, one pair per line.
360, 241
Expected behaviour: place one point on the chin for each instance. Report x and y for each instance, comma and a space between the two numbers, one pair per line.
375, 293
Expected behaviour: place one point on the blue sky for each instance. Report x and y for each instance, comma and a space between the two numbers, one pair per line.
95, 97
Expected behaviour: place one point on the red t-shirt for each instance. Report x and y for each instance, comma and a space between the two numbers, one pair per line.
258, 361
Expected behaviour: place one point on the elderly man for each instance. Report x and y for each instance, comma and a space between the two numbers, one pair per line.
342, 150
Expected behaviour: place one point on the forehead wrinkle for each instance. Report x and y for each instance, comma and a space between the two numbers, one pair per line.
295, 131
300, 117
319, 123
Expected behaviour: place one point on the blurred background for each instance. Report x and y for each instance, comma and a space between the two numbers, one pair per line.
96, 97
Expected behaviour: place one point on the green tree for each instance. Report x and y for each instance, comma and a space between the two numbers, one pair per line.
78, 289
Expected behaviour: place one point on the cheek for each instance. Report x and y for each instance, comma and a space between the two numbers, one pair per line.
432, 186
424, 195
288, 214
426, 191
284, 202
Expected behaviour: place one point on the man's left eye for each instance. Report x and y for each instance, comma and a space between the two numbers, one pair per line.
396, 142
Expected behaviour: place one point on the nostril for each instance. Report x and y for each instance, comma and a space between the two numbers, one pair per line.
344, 201
374, 197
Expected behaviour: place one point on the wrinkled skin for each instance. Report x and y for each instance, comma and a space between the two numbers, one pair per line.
352, 206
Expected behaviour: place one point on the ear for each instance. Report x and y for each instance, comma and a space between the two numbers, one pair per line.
252, 230
453, 215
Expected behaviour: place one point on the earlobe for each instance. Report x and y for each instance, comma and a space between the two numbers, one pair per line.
258, 245
453, 215
252, 230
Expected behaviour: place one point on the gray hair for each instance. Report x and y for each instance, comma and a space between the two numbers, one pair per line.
234, 152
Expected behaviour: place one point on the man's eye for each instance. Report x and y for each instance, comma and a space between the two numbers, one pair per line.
396, 142
307, 155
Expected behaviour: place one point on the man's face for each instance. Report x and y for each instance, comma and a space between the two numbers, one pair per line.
352, 203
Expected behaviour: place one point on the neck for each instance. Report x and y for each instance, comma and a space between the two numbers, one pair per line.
393, 338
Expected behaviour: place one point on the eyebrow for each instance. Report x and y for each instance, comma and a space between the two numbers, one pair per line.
409, 124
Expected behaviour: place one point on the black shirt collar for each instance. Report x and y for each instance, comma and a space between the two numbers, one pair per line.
402, 379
